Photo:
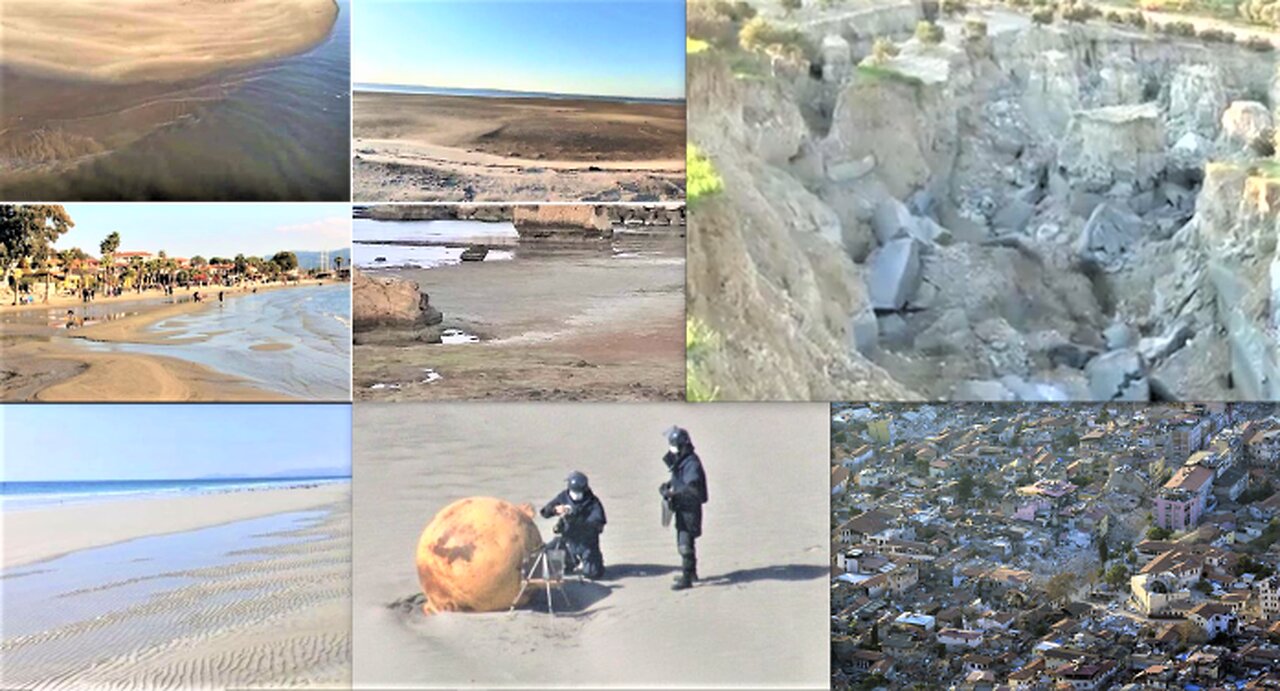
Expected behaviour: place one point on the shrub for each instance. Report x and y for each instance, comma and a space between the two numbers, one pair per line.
791, 5
1115, 17
1264, 144
699, 340
975, 29
1042, 16
740, 11
1080, 12
1183, 29
883, 50
704, 21
1137, 19
953, 7
1217, 36
702, 180
1259, 44
930, 33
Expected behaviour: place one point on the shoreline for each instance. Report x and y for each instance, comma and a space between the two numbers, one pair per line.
37, 535
85, 375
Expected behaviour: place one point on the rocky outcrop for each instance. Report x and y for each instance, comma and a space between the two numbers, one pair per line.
1114, 145
391, 310
572, 223
1243, 124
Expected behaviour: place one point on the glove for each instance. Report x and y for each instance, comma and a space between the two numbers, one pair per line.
665, 490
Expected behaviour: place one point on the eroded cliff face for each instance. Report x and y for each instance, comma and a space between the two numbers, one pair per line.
1043, 213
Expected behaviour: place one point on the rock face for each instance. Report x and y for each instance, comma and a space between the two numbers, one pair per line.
1108, 234
388, 309
1115, 144
470, 555
1196, 100
562, 223
1243, 123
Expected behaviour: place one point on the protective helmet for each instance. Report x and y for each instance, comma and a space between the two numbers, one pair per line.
677, 436
577, 481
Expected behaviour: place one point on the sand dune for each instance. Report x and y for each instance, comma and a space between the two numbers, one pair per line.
155, 40
266, 616
759, 618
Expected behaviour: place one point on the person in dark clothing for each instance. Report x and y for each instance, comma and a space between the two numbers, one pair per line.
684, 494
581, 521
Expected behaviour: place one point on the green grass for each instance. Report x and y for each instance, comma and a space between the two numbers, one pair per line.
693, 46
878, 73
699, 339
702, 179
1268, 169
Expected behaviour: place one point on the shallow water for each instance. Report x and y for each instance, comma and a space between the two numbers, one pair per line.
67, 613
275, 131
313, 321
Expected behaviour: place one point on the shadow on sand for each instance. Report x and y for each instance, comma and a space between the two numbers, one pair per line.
782, 572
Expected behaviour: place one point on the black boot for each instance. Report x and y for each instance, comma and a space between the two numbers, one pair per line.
683, 581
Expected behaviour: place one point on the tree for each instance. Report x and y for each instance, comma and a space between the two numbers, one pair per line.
1155, 532
199, 261
1117, 576
286, 261
27, 231
337, 264
1103, 551
242, 264
1060, 587
108, 248
964, 489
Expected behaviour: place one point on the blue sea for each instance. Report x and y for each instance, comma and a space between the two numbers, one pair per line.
28, 495
500, 93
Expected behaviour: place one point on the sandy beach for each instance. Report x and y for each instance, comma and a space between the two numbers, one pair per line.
239, 589
43, 362
551, 326
758, 618
416, 147
155, 40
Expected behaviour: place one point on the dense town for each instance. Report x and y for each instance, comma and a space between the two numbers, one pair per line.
986, 547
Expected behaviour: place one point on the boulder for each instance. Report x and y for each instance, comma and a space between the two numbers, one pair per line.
1156, 348
864, 331
837, 59
894, 274
391, 310
1108, 234
471, 555
1118, 336
1187, 158
982, 390
1197, 97
1013, 216
1118, 376
892, 220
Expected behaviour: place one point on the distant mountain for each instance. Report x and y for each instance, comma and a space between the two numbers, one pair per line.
311, 259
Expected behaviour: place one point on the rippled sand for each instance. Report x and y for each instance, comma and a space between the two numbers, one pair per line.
262, 602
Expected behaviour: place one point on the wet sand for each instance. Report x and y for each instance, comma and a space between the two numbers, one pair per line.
156, 40
416, 147
42, 364
759, 618
244, 589
552, 326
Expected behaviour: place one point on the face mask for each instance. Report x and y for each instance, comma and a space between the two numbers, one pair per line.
576, 495
674, 448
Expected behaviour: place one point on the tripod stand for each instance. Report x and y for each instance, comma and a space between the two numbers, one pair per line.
544, 568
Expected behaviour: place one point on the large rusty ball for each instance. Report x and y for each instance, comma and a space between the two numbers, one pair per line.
470, 555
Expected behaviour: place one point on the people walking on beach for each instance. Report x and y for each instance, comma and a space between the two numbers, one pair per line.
220, 300
578, 530
196, 296
683, 495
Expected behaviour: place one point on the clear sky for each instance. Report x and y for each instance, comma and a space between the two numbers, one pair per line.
185, 230
596, 47
50, 443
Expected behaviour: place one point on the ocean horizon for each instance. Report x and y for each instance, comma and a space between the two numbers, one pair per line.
502, 93
35, 494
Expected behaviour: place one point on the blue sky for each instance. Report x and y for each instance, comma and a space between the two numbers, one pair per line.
49, 443
184, 230
598, 47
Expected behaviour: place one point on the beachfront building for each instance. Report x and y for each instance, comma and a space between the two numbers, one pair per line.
1183, 499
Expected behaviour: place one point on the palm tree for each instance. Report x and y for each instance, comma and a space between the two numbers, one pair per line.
108, 247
